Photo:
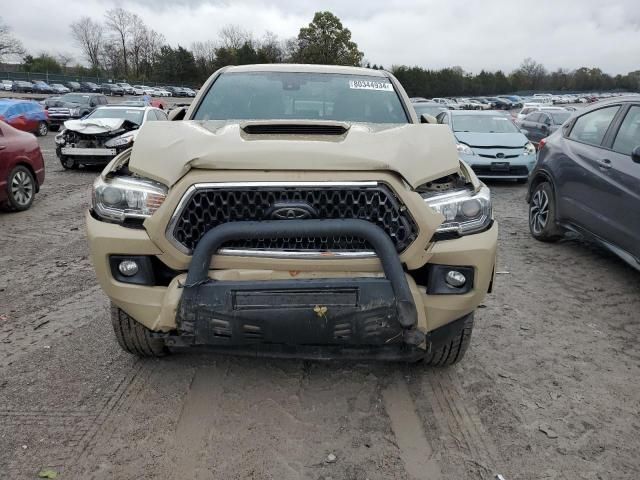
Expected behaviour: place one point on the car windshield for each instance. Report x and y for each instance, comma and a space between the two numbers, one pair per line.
132, 115
75, 98
302, 96
483, 124
560, 117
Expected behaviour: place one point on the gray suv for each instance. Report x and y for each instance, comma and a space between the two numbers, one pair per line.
586, 179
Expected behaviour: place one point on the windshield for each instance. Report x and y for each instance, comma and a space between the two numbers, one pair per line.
560, 117
75, 98
302, 96
483, 124
132, 115
432, 110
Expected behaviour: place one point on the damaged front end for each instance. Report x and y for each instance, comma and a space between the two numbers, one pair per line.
94, 142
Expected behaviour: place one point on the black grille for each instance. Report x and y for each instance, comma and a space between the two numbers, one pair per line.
512, 170
210, 207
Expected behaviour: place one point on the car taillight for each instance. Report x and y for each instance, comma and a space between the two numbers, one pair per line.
542, 143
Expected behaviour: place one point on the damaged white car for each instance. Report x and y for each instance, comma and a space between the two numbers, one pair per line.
101, 135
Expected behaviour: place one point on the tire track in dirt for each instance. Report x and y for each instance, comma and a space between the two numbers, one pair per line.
460, 426
107, 419
415, 451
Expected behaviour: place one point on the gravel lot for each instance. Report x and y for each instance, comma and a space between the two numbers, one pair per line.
548, 389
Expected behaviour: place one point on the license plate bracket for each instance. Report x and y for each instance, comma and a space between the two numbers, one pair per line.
500, 166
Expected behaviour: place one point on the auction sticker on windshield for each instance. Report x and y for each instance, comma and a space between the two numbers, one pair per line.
370, 85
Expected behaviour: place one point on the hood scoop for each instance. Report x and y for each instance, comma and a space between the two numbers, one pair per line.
298, 127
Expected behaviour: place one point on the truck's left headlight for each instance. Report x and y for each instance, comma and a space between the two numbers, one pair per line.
464, 211
120, 198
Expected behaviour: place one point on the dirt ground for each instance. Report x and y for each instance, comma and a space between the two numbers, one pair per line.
548, 389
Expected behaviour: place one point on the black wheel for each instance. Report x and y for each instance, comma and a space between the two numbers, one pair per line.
135, 338
542, 214
68, 163
452, 350
42, 130
21, 188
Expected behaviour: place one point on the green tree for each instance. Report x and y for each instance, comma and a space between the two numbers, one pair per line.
326, 41
44, 63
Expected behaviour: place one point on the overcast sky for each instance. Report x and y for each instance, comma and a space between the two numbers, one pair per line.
490, 34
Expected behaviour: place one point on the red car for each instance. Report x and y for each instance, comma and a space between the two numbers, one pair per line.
21, 168
25, 115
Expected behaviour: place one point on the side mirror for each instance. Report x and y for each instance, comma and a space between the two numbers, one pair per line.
635, 154
426, 118
177, 114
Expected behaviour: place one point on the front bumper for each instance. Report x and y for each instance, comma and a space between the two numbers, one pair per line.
160, 307
516, 168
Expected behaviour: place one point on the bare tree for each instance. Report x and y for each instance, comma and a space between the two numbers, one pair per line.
139, 34
89, 36
119, 21
9, 45
64, 59
233, 37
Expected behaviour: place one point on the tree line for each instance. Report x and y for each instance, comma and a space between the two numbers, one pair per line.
122, 46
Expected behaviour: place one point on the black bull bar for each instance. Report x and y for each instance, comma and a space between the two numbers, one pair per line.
360, 311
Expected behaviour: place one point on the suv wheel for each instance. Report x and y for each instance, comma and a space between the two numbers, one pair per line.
135, 338
21, 188
452, 350
42, 130
542, 214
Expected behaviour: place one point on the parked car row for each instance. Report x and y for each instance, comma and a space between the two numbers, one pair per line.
108, 88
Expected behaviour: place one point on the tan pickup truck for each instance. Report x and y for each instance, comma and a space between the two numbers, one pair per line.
295, 210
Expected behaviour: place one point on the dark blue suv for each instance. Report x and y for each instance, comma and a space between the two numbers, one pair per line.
587, 179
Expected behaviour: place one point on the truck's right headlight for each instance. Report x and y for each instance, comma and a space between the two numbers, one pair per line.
120, 198
464, 211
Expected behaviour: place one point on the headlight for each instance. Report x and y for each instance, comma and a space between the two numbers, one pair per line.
122, 198
119, 141
74, 112
60, 138
464, 212
464, 149
529, 149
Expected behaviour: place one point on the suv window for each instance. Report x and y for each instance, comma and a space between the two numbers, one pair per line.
628, 136
592, 127
302, 96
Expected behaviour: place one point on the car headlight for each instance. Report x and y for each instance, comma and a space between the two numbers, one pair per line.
74, 112
60, 138
119, 141
121, 198
529, 149
464, 149
464, 211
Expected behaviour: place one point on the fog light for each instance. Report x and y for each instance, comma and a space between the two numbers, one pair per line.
453, 278
129, 268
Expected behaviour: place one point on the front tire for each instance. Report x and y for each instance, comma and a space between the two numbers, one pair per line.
68, 163
542, 214
135, 338
42, 130
21, 188
452, 350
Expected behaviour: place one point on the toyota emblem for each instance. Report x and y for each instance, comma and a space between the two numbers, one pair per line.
291, 211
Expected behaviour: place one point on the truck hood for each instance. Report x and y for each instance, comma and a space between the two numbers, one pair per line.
99, 125
166, 151
492, 140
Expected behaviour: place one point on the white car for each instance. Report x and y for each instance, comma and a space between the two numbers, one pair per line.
6, 85
160, 92
535, 107
144, 90
104, 133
